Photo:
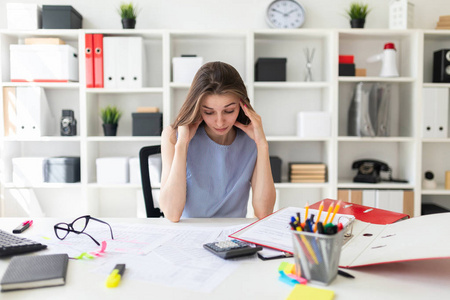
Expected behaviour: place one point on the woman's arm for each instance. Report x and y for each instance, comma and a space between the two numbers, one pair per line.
173, 182
263, 188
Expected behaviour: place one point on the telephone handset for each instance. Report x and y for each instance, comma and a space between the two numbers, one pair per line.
369, 171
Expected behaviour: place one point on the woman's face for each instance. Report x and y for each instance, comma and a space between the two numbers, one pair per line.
220, 112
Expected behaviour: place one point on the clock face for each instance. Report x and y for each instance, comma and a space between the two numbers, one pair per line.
285, 14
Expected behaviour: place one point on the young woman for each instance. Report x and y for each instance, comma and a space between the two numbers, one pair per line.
215, 151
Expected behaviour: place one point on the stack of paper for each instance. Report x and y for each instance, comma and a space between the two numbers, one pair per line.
443, 23
307, 172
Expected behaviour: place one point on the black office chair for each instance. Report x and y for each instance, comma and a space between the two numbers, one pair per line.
144, 153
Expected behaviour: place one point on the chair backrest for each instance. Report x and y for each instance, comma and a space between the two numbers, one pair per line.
144, 153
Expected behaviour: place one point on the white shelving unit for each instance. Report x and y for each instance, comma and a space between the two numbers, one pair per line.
277, 102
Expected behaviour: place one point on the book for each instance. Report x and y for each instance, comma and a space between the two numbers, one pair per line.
307, 180
274, 230
44, 41
28, 272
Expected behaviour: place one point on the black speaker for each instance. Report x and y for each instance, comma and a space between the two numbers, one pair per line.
441, 66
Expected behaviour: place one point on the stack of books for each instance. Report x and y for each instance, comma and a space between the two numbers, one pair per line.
444, 22
307, 172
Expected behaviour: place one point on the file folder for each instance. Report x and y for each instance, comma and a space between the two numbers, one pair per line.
9, 111
136, 65
98, 60
34, 117
121, 61
109, 64
88, 51
435, 113
441, 110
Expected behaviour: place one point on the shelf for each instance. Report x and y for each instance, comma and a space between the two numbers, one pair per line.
44, 185
297, 139
436, 85
175, 85
374, 79
124, 139
349, 184
120, 186
288, 185
440, 190
291, 85
65, 34
374, 139
47, 85
44, 139
148, 90
436, 140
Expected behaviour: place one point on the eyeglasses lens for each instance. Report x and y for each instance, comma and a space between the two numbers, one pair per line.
80, 224
62, 230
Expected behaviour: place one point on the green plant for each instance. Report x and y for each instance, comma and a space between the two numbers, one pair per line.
110, 115
358, 11
128, 11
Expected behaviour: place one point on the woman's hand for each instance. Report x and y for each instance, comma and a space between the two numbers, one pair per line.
255, 129
187, 132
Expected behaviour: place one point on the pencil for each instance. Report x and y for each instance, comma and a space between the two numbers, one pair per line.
336, 209
318, 216
330, 209
306, 210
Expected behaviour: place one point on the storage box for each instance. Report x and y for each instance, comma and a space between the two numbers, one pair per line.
53, 63
185, 68
275, 165
28, 170
154, 169
313, 124
60, 17
23, 16
346, 69
401, 14
64, 169
270, 69
112, 170
147, 124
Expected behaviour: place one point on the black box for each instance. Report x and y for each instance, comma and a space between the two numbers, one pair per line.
275, 165
441, 65
346, 69
62, 169
60, 17
145, 124
270, 69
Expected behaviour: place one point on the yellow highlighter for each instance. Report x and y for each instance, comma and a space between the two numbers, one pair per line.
113, 279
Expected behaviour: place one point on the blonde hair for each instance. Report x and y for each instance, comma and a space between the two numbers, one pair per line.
213, 78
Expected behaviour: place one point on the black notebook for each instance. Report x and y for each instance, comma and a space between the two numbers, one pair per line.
28, 272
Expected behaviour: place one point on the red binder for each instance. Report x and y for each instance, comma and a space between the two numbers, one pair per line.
363, 213
89, 60
98, 60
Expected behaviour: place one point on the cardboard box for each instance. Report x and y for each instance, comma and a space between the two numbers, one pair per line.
112, 170
147, 124
154, 169
270, 69
28, 171
23, 16
60, 17
63, 169
185, 68
314, 124
52, 63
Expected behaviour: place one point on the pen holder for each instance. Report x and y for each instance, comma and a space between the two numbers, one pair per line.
317, 255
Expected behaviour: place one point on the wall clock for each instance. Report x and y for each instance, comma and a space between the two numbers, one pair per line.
285, 14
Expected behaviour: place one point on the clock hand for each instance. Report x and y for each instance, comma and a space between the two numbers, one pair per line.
273, 9
291, 11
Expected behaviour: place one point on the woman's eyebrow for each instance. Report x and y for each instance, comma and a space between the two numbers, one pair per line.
204, 106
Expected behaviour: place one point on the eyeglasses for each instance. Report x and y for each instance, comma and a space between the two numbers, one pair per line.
77, 226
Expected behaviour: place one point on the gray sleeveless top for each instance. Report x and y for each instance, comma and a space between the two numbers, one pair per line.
218, 176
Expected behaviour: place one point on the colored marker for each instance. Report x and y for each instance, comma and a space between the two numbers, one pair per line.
22, 227
114, 278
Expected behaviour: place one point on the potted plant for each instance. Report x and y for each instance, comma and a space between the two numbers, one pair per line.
357, 14
110, 116
128, 13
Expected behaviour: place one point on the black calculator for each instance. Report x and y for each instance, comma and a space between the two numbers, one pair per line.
231, 248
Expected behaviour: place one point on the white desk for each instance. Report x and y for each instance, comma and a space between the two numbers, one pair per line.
254, 279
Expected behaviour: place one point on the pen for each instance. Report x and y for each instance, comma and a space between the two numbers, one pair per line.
345, 274
22, 227
114, 278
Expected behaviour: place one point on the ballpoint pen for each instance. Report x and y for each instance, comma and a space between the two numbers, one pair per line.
114, 278
22, 227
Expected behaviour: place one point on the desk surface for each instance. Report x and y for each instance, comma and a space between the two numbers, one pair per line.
254, 279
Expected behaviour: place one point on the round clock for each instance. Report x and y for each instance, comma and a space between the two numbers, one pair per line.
285, 14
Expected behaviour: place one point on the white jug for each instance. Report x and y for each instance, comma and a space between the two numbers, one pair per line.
388, 60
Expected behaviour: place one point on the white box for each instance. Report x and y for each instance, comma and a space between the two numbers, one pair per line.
28, 171
53, 63
112, 170
401, 14
23, 16
185, 68
313, 124
154, 169
34, 117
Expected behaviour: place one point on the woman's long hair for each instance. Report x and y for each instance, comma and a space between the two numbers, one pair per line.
213, 78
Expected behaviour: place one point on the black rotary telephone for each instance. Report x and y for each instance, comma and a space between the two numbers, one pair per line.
369, 171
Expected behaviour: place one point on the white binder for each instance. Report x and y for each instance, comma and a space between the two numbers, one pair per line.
135, 76
435, 113
441, 112
109, 62
34, 117
121, 60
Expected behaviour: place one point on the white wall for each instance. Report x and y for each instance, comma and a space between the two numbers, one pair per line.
233, 14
